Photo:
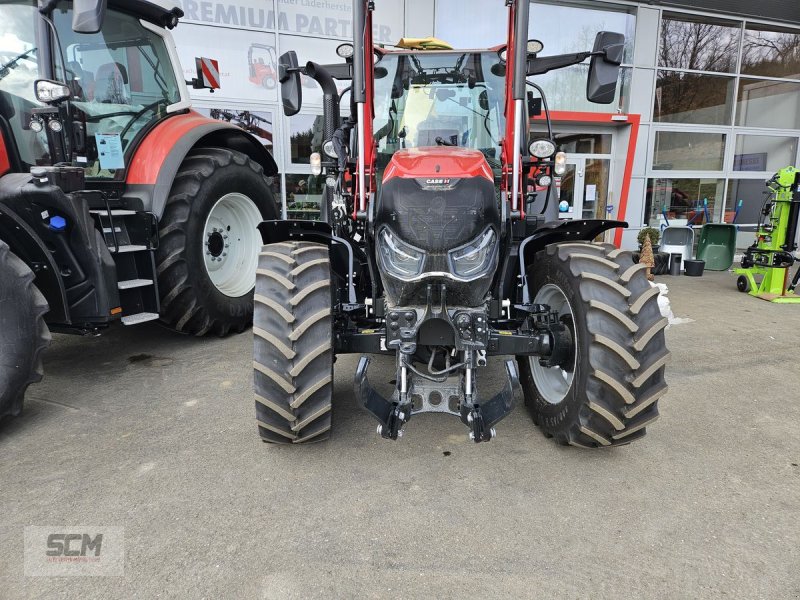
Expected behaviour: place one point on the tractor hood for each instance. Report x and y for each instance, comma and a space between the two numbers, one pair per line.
438, 162
434, 206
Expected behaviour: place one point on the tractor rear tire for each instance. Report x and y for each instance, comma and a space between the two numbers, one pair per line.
23, 333
227, 192
611, 393
293, 343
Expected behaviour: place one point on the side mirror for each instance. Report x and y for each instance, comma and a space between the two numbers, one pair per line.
207, 74
289, 77
88, 15
601, 86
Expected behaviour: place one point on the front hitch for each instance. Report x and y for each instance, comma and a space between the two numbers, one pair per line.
481, 418
421, 395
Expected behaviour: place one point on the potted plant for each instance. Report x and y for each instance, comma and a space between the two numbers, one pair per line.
651, 232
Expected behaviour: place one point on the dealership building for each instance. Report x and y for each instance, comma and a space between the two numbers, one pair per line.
707, 109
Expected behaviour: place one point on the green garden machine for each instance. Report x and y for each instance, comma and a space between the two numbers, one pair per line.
766, 265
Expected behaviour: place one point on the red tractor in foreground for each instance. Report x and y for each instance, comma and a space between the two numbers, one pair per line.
117, 202
431, 250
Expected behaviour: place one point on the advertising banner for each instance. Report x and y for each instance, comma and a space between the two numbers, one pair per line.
330, 19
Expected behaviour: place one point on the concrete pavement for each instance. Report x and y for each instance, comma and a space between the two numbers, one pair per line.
154, 432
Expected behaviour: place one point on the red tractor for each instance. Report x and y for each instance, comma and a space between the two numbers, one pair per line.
430, 250
117, 202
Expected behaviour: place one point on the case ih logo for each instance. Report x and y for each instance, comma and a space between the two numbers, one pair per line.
437, 183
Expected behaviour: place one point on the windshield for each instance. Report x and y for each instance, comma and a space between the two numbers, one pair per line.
429, 99
19, 68
122, 79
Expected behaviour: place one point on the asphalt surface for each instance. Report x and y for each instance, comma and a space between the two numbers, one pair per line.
153, 432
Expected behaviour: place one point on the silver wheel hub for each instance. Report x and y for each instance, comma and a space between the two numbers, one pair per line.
554, 383
231, 244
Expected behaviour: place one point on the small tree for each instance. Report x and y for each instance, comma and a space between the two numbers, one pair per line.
647, 258
649, 232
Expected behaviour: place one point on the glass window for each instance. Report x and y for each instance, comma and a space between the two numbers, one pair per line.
303, 196
442, 98
751, 194
771, 52
258, 123
764, 152
693, 98
688, 151
698, 43
584, 143
681, 200
19, 68
561, 28
306, 137
566, 90
123, 78
764, 103
565, 29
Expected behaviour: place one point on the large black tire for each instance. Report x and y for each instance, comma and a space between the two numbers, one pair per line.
190, 301
293, 343
23, 332
618, 373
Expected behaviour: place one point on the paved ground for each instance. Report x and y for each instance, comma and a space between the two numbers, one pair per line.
155, 433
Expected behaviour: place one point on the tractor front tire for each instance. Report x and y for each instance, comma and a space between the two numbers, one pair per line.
208, 250
607, 394
293, 343
23, 333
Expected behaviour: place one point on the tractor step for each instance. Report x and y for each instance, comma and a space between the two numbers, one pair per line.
115, 212
133, 283
138, 318
127, 248
131, 239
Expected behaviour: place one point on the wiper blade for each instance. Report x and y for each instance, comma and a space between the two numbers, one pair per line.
6, 68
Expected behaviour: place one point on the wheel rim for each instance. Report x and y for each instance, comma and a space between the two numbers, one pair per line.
554, 383
231, 243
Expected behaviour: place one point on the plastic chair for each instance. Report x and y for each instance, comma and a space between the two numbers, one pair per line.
717, 246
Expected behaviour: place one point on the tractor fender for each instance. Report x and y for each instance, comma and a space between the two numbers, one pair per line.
29, 247
158, 158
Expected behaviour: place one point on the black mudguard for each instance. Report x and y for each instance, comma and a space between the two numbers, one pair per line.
84, 284
29, 247
554, 232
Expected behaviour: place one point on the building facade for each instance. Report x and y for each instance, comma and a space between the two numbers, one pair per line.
708, 105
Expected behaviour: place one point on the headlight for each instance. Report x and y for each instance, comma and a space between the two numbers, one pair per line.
328, 149
344, 50
475, 258
315, 160
397, 257
561, 163
542, 148
50, 91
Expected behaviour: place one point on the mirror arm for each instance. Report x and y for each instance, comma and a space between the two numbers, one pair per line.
542, 64
284, 72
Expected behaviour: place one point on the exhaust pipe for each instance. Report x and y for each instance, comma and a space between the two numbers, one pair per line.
330, 98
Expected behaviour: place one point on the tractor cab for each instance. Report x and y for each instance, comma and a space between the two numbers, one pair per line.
83, 87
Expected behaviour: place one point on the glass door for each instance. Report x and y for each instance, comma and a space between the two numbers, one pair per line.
583, 189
